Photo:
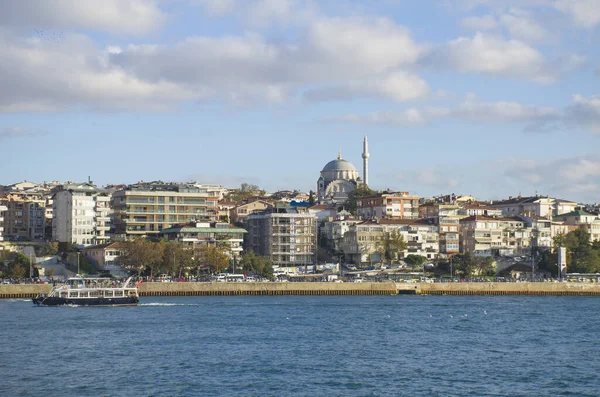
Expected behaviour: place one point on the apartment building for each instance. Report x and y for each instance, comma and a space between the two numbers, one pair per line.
390, 205
240, 213
80, 214
24, 218
288, 239
541, 230
535, 205
105, 257
360, 244
582, 218
332, 233
487, 236
446, 217
145, 209
194, 234
3, 210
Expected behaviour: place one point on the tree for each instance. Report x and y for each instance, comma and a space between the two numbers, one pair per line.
245, 192
142, 255
390, 246
17, 271
582, 255
258, 264
211, 257
176, 257
485, 265
463, 264
311, 198
360, 192
413, 260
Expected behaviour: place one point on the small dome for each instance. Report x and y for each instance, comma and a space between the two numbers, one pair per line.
339, 165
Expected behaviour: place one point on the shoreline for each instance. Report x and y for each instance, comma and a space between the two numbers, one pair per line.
9, 291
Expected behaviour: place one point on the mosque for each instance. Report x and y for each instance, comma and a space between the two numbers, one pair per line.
339, 178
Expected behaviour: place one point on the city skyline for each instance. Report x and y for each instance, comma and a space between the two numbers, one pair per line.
486, 98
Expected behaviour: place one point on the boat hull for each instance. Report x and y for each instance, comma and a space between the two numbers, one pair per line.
55, 301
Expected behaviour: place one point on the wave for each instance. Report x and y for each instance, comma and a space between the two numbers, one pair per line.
167, 304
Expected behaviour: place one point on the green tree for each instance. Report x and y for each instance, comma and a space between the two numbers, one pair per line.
360, 192
390, 246
582, 255
463, 264
18, 271
212, 258
258, 264
142, 255
176, 258
485, 265
311, 198
415, 260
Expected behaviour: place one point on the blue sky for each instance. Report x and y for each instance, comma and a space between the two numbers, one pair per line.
484, 97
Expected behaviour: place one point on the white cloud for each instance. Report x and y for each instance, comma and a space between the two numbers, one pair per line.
585, 13
494, 55
399, 86
558, 177
585, 112
483, 23
216, 7
48, 76
361, 45
118, 16
523, 27
469, 110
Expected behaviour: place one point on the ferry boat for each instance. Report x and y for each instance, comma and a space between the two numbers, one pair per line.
90, 291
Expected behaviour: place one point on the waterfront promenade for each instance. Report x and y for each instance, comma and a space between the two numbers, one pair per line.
329, 288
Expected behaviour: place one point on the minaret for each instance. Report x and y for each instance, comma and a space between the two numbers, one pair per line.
365, 157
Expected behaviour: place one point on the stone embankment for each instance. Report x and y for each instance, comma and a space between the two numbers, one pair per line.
310, 288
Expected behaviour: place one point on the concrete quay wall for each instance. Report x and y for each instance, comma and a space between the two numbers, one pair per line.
300, 288
560, 289
309, 288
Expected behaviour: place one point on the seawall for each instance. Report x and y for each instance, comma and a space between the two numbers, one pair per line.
310, 288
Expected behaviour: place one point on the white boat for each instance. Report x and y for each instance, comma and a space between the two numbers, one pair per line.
90, 291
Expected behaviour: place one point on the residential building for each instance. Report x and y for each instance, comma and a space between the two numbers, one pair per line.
388, 205
288, 239
487, 236
145, 209
25, 216
541, 230
80, 214
323, 212
240, 213
582, 218
331, 235
446, 217
104, 256
479, 209
360, 244
3, 210
535, 205
194, 234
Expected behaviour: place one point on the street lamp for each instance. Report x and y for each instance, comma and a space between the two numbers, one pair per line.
78, 262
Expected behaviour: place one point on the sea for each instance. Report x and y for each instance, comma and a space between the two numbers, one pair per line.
304, 346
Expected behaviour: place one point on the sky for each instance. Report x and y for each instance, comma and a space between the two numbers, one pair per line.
491, 98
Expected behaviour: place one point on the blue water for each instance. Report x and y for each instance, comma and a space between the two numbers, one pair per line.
304, 346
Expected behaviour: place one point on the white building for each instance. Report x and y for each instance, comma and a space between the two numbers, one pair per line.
80, 214
537, 205
360, 244
3, 208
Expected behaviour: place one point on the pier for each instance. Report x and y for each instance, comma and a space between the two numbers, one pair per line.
323, 288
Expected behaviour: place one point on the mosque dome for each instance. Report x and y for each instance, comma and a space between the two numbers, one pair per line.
339, 164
